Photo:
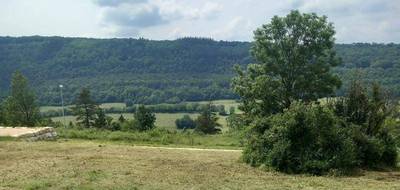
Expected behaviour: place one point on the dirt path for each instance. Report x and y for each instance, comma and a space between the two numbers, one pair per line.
191, 149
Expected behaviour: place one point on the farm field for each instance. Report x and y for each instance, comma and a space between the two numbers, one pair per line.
91, 165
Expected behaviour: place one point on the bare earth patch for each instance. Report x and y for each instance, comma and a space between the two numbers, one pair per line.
32, 133
90, 165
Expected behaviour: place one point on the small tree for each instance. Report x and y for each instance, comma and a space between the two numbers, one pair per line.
121, 119
85, 109
185, 123
144, 119
101, 120
207, 121
2, 116
20, 107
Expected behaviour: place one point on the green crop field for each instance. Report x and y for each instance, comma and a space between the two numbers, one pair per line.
92, 165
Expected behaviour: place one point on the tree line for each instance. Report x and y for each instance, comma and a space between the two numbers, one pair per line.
141, 71
183, 107
20, 108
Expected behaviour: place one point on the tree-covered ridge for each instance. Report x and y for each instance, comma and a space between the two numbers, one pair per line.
147, 71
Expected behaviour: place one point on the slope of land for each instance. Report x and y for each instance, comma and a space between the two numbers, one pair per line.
150, 72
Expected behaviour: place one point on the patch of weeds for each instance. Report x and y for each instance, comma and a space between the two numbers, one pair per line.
94, 175
38, 185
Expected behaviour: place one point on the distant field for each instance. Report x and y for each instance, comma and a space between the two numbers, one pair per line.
104, 106
163, 120
91, 165
226, 103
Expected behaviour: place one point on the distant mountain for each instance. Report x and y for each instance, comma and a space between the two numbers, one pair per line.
146, 71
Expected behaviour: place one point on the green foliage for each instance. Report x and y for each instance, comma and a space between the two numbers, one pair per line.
236, 122
206, 122
144, 119
2, 115
367, 113
139, 71
151, 72
298, 50
121, 119
100, 121
20, 108
294, 55
186, 122
302, 139
232, 110
85, 109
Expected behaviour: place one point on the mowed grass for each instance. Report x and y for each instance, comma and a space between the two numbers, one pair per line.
90, 165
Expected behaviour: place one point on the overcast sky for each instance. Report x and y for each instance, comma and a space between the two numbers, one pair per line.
354, 20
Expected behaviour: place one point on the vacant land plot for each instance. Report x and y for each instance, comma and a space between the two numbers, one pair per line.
89, 165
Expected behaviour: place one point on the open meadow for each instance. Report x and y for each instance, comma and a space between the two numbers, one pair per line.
163, 120
93, 165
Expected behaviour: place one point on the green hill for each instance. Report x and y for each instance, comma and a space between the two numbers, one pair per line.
146, 71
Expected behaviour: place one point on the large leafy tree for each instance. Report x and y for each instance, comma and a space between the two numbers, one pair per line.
293, 57
85, 109
20, 107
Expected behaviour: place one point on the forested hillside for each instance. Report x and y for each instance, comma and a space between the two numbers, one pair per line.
146, 71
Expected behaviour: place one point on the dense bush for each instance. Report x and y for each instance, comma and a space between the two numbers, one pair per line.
185, 123
303, 139
236, 122
367, 113
353, 131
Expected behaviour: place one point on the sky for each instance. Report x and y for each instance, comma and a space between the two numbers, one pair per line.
231, 20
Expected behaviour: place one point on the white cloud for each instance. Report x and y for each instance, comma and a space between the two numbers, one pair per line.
354, 20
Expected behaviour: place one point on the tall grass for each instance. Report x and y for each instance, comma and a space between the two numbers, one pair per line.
154, 137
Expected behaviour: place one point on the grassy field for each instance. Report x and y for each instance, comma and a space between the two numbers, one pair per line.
226, 103
104, 106
163, 120
91, 165
155, 137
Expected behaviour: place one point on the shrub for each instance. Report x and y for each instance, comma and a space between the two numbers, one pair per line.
303, 139
185, 123
144, 119
207, 121
236, 122
367, 114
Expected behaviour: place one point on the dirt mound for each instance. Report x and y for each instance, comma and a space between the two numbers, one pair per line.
35, 133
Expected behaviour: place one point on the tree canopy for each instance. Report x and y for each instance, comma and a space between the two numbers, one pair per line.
148, 71
294, 56
20, 108
85, 109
